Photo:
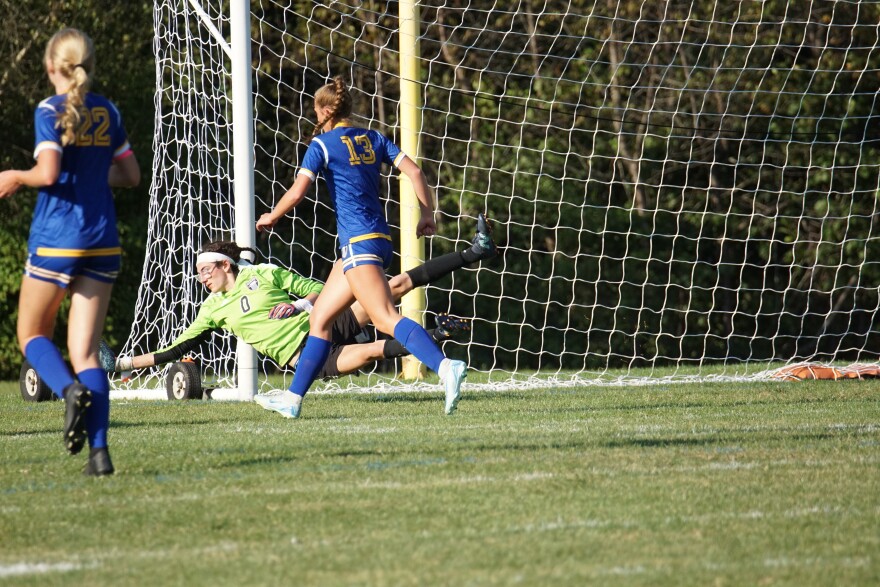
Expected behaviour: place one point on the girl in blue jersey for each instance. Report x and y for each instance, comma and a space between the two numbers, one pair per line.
81, 151
350, 159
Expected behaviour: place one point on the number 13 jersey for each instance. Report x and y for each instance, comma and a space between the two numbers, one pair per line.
350, 161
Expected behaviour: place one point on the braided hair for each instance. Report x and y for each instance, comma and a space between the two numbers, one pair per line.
72, 54
335, 96
230, 249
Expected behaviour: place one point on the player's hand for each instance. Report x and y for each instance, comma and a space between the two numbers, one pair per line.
282, 311
124, 367
9, 183
426, 226
265, 221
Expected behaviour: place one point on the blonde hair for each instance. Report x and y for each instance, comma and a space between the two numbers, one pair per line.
72, 54
335, 96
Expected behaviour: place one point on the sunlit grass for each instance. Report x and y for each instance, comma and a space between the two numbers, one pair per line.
730, 484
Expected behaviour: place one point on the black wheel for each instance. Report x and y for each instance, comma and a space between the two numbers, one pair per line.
33, 388
184, 381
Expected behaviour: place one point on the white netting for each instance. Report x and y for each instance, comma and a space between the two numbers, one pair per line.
681, 190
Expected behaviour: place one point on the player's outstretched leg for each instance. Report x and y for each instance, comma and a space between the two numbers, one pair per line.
77, 400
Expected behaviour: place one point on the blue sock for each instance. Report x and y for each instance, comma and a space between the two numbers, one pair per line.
98, 414
47, 361
312, 358
417, 341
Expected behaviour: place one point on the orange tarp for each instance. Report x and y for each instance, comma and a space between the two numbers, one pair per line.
805, 371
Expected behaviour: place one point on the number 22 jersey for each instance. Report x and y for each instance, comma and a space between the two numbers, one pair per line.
77, 213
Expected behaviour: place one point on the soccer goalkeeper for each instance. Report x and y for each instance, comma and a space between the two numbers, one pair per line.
254, 303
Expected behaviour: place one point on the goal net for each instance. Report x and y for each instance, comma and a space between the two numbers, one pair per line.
679, 190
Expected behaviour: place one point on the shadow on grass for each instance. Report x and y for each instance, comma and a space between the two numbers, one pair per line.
723, 439
33, 432
740, 403
433, 397
258, 461
662, 442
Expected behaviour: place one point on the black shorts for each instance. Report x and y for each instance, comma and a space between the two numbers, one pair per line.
345, 331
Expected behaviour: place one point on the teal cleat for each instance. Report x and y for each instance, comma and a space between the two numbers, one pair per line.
483, 245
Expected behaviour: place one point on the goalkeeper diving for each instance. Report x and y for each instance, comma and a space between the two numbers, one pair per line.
254, 303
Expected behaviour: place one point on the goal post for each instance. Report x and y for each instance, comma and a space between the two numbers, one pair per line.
680, 191
412, 249
243, 161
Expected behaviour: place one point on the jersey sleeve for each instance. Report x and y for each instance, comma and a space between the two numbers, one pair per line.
48, 135
121, 146
392, 153
314, 160
295, 284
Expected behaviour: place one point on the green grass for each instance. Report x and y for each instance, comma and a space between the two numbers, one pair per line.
715, 484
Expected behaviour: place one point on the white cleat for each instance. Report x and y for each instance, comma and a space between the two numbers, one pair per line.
286, 403
452, 382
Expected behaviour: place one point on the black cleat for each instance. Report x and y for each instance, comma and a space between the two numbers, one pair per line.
77, 400
448, 326
99, 463
483, 247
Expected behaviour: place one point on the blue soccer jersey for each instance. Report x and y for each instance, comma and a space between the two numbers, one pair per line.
350, 160
76, 216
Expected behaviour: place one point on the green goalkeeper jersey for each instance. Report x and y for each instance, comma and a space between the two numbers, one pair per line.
244, 311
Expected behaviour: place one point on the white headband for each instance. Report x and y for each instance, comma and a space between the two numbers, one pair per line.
212, 257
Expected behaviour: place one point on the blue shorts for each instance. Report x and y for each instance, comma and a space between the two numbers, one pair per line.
374, 250
61, 269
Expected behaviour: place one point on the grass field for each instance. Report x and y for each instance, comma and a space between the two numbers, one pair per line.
715, 484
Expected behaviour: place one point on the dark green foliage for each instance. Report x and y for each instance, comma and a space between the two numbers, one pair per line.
684, 181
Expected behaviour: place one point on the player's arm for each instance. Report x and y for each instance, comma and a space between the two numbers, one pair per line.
44, 173
194, 335
306, 290
288, 309
125, 172
288, 201
175, 352
427, 226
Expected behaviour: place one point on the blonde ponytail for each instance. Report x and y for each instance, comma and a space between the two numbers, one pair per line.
72, 54
336, 96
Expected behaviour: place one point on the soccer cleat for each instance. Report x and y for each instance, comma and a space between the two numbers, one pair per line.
484, 247
286, 403
77, 400
99, 463
448, 326
261, 398
452, 382
106, 356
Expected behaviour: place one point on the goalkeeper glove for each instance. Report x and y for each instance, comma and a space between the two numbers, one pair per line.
285, 310
124, 367
282, 311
